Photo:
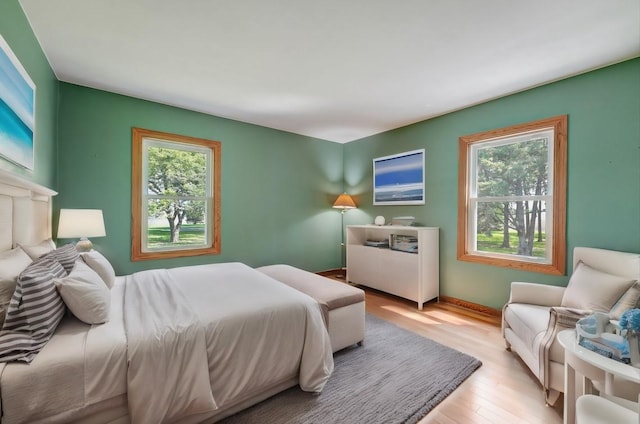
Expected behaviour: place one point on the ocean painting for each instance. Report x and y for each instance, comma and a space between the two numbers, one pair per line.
17, 109
399, 179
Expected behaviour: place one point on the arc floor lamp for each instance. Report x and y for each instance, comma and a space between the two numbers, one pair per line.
343, 202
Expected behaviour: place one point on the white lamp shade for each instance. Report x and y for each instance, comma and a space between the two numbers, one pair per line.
75, 223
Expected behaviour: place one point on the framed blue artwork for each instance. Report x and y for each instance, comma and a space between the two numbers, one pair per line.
17, 109
399, 179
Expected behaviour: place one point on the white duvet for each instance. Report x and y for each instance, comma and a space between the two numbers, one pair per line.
168, 374
198, 340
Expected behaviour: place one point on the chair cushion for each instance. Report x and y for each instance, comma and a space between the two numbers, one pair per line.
594, 290
529, 322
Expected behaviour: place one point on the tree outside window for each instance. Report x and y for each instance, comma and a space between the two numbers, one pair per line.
175, 195
512, 196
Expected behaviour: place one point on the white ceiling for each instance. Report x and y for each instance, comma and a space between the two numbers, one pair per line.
337, 70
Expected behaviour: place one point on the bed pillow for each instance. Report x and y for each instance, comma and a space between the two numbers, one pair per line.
34, 312
101, 265
67, 255
85, 294
36, 250
629, 300
594, 290
12, 263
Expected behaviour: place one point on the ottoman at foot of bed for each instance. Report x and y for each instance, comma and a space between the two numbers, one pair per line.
342, 304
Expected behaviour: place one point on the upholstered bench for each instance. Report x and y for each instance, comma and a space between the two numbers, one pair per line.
342, 305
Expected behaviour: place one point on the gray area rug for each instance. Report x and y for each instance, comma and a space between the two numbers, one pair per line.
396, 377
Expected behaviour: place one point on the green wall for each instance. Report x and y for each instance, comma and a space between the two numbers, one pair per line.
603, 198
277, 187
16, 31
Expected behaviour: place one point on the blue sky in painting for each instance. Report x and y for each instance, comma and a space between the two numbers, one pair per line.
17, 109
403, 170
15, 90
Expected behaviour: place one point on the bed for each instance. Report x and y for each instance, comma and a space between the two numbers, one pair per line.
223, 336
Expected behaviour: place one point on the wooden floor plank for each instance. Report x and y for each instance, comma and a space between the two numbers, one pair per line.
503, 390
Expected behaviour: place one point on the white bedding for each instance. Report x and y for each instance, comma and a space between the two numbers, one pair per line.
81, 365
168, 374
259, 334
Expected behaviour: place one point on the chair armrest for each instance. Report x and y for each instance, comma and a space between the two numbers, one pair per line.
565, 318
536, 294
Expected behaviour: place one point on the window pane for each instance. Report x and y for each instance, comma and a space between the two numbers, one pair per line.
176, 224
516, 169
515, 228
176, 172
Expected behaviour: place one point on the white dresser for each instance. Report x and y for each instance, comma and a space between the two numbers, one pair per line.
413, 276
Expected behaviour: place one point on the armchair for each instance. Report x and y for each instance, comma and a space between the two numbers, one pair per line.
602, 280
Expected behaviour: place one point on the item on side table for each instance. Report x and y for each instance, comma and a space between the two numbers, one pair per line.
630, 328
379, 220
595, 332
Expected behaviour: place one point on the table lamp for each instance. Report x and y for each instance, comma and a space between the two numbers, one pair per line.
81, 223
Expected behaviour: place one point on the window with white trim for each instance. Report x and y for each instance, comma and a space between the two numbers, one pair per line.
512, 196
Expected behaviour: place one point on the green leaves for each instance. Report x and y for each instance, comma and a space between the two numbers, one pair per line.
509, 172
517, 169
178, 177
176, 172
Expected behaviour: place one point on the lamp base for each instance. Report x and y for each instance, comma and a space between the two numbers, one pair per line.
341, 274
84, 245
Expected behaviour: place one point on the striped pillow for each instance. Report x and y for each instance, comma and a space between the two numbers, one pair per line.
67, 255
34, 312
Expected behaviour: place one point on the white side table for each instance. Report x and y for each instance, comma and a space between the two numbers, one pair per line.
591, 366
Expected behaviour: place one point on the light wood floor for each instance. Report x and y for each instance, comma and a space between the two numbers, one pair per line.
501, 391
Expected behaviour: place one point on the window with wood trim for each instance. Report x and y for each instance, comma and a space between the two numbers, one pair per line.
175, 196
512, 196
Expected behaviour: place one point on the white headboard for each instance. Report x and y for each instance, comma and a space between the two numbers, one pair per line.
25, 211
